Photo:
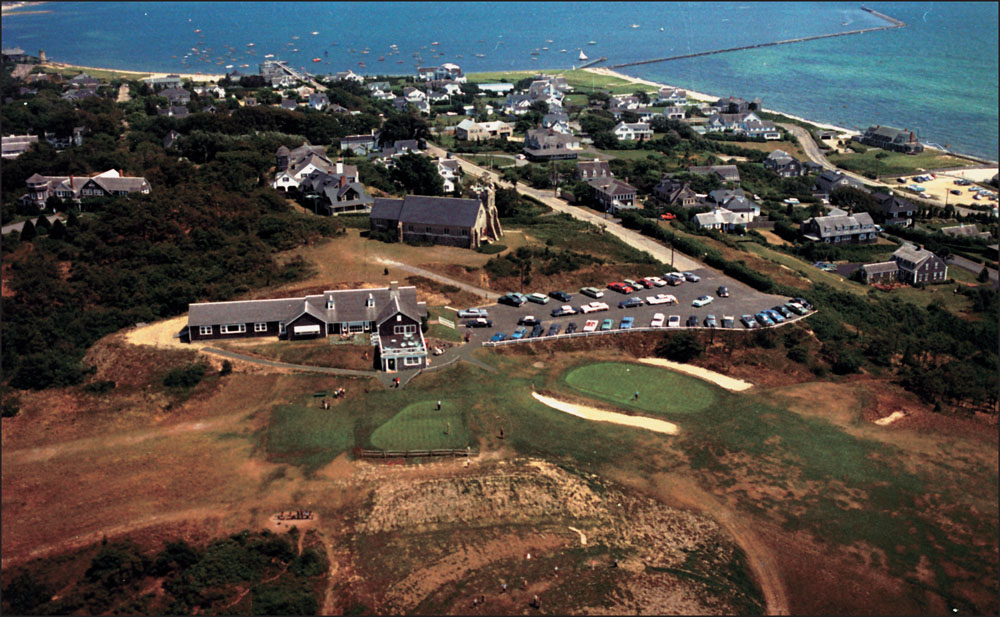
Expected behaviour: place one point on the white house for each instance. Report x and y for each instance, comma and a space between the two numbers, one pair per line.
671, 96
412, 95
630, 131
722, 220
674, 113
449, 171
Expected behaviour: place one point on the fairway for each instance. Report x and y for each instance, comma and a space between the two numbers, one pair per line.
659, 391
420, 426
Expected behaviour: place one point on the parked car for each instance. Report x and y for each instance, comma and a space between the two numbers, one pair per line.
796, 308
669, 216
955, 192
775, 316
519, 333
473, 312
513, 299
607, 324
657, 321
499, 336
565, 309
711, 322
728, 321
627, 322
594, 307
691, 277
571, 328
553, 330
561, 296
805, 303
593, 292
674, 321
620, 287
722, 291
590, 326
764, 319
702, 301
674, 278
749, 322
538, 298
630, 303
661, 299
528, 320
656, 281
635, 285
537, 330
783, 311
692, 321
479, 322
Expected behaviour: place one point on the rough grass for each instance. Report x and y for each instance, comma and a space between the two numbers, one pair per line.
897, 163
660, 392
421, 426
443, 332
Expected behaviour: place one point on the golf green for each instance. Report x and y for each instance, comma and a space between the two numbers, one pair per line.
421, 426
660, 390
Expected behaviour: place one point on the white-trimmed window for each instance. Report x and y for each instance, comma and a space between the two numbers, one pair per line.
205, 330
411, 329
260, 327
412, 361
281, 327
233, 328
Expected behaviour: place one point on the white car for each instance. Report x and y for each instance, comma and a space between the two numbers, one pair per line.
538, 298
594, 307
674, 321
593, 292
702, 301
590, 326
657, 321
661, 299
473, 312
656, 281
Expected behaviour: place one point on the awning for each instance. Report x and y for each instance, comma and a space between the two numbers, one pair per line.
313, 329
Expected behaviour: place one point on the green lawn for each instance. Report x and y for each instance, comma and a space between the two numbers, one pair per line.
582, 81
421, 426
303, 433
660, 391
896, 163
631, 155
444, 333
484, 160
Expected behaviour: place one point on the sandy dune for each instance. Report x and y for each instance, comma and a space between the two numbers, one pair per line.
735, 385
599, 415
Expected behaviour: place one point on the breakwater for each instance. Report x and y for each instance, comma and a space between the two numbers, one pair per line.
894, 23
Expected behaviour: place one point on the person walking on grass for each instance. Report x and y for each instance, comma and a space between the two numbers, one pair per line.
635, 396
439, 406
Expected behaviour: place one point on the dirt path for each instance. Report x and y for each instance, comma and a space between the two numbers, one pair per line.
723, 381
489, 295
161, 334
86, 539
599, 415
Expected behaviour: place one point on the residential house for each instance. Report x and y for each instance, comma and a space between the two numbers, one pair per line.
810, 167
784, 164
412, 95
470, 130
14, 54
631, 131
337, 191
894, 210
83, 81
828, 181
960, 231
438, 96
446, 71
211, 90
174, 111
735, 105
451, 221
840, 229
107, 184
548, 145
60, 140
450, 171
545, 90
888, 138
289, 104
590, 170
671, 96
16, 145
294, 165
497, 89
728, 173
883, 272
722, 219
176, 96
735, 123
376, 87
624, 102
391, 314
25, 92
558, 122
349, 75
612, 194
735, 200
400, 104
517, 104
918, 266
360, 144
760, 129
171, 139
674, 113
318, 101
75, 96
675, 193
250, 101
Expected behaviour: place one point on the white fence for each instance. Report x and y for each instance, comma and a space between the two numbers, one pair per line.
446, 322
556, 337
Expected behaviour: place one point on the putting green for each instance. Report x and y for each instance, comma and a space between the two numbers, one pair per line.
660, 391
421, 426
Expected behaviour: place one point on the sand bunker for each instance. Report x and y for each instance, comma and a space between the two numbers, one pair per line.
896, 415
599, 415
735, 385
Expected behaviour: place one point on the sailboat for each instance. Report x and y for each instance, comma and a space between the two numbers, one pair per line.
583, 56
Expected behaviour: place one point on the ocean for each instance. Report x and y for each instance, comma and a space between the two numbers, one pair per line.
938, 76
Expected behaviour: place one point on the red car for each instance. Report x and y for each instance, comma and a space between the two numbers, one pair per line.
668, 216
620, 287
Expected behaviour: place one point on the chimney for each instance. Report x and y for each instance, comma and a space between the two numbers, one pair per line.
394, 288
913, 137
343, 181
920, 248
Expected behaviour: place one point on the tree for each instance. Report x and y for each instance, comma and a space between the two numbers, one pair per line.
416, 174
72, 220
643, 96
403, 126
23, 594
42, 224
57, 231
984, 275
28, 232
681, 346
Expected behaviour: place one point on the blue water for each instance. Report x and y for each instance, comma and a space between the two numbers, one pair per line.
938, 76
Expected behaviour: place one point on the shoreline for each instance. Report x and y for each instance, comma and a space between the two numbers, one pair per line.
140, 74
701, 96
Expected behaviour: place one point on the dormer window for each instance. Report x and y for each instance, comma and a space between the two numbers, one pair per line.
370, 302
329, 303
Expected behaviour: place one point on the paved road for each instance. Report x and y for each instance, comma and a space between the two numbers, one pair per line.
971, 266
630, 237
489, 295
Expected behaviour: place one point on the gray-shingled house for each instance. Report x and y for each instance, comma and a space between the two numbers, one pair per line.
439, 220
842, 228
888, 138
391, 314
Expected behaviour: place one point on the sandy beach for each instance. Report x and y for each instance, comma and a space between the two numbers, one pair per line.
138, 74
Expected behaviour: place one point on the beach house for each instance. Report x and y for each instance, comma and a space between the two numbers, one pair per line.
111, 183
888, 138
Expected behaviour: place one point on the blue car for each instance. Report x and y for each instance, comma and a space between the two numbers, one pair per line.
627, 322
630, 303
499, 336
519, 333
774, 315
764, 319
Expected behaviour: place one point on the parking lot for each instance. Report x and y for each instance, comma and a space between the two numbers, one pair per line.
742, 300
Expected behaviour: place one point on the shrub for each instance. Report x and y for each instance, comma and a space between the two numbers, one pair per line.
847, 362
681, 346
492, 249
227, 367
100, 386
798, 354
186, 376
